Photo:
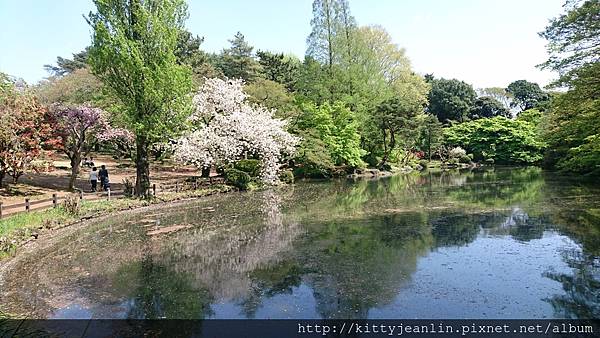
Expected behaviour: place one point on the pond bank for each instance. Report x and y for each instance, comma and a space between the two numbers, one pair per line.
18, 230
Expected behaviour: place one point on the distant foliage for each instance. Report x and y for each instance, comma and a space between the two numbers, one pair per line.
503, 140
450, 100
526, 95
486, 107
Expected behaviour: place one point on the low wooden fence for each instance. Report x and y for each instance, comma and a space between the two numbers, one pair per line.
176, 186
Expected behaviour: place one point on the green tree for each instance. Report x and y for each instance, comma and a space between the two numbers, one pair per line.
499, 94
573, 39
238, 61
188, 52
526, 94
337, 127
279, 68
394, 116
272, 95
67, 66
503, 140
450, 100
573, 124
430, 134
77, 87
486, 107
133, 53
329, 25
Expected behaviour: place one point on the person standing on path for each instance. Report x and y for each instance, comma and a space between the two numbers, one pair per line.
94, 178
103, 173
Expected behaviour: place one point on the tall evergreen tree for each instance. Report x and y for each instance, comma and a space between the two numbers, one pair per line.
279, 68
238, 61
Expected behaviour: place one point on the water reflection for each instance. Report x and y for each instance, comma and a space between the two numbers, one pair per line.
501, 243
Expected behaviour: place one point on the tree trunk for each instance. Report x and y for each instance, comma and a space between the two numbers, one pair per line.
75, 163
387, 150
142, 166
2, 174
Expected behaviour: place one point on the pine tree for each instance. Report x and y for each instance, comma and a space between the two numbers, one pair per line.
238, 61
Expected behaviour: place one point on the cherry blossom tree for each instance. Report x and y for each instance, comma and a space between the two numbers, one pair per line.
25, 131
226, 128
121, 140
78, 128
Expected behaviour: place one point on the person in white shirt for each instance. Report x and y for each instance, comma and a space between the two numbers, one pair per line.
94, 178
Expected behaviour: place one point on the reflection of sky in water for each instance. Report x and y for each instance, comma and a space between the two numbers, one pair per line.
490, 278
406, 247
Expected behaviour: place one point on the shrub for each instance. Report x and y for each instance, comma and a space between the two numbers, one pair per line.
464, 159
286, 176
251, 167
457, 152
489, 161
238, 178
128, 187
452, 161
72, 204
424, 164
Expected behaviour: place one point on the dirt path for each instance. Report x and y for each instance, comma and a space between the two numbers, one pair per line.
38, 186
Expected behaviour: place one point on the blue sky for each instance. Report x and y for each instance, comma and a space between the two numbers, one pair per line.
483, 42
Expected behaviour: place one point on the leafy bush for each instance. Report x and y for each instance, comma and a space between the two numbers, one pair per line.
72, 204
128, 187
457, 152
251, 166
464, 159
238, 178
503, 140
286, 176
424, 164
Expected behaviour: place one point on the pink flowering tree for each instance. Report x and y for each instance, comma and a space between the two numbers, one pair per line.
226, 128
78, 128
121, 140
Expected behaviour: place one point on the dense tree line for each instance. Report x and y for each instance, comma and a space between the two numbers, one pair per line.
352, 101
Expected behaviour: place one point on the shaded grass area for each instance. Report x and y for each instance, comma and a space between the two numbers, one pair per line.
21, 228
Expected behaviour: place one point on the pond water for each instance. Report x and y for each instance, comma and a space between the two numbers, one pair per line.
492, 243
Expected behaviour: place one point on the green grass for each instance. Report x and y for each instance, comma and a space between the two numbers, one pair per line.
16, 230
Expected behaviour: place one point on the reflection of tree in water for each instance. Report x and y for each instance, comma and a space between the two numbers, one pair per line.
361, 264
454, 229
500, 188
582, 287
158, 292
221, 258
271, 281
516, 223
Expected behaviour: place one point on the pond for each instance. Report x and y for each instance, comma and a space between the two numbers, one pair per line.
488, 243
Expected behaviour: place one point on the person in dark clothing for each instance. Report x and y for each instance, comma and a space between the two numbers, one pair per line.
103, 173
